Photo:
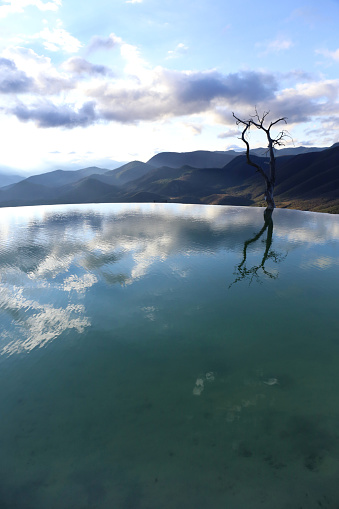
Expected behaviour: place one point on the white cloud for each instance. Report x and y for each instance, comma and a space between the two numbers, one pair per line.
106, 43
45, 78
179, 50
58, 39
334, 55
133, 1
80, 93
18, 6
276, 46
194, 129
229, 134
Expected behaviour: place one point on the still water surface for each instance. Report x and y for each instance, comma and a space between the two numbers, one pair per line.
168, 357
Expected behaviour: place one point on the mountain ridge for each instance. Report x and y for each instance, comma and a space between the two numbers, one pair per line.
309, 181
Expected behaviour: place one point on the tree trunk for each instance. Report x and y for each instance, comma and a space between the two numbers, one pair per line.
269, 195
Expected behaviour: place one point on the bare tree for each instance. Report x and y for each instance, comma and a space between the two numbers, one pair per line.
258, 122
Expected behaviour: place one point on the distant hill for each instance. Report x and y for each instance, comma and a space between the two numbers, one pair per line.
207, 159
25, 193
129, 171
87, 190
308, 181
61, 177
289, 151
197, 159
7, 179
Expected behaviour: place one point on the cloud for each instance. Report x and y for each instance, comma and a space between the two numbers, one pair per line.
47, 114
13, 81
23, 71
58, 39
299, 104
106, 43
333, 55
179, 50
229, 134
79, 65
243, 86
18, 6
276, 46
174, 93
307, 100
133, 1
298, 75
194, 128
142, 93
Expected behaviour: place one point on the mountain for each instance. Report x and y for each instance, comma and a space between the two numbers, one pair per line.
7, 179
311, 178
207, 159
25, 193
87, 190
308, 181
197, 159
184, 182
129, 171
61, 177
289, 151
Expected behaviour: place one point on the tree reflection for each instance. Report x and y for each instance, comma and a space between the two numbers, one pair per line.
242, 271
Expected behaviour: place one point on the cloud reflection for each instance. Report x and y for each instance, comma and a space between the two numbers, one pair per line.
36, 324
57, 254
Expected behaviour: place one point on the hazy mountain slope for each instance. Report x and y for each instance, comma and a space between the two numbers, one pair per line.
218, 159
287, 151
130, 171
26, 192
7, 179
197, 159
88, 190
59, 178
308, 181
155, 177
194, 185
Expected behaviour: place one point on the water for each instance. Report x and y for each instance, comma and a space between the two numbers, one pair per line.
168, 356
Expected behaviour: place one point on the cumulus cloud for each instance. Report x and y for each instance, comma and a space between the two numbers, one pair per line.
307, 100
79, 65
12, 80
58, 39
142, 93
243, 86
299, 104
174, 93
18, 6
47, 114
106, 43
23, 71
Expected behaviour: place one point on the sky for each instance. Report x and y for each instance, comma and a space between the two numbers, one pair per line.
86, 83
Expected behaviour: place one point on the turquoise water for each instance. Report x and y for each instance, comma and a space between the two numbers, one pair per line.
168, 356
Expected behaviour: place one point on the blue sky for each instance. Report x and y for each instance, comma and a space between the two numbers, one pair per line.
91, 83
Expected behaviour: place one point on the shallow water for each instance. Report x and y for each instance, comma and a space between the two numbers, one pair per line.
168, 356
